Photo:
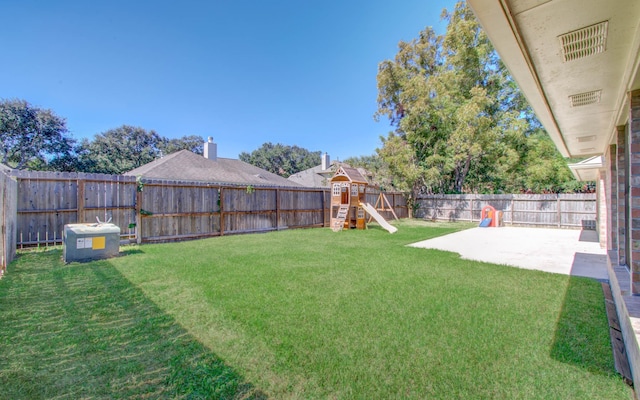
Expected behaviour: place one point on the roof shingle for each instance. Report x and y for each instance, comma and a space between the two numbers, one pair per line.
186, 165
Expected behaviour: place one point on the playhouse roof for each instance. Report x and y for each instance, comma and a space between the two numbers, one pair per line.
318, 177
350, 174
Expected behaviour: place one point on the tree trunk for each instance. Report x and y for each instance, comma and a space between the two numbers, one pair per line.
461, 174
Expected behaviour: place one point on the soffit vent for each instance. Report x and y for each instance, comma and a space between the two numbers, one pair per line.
586, 98
587, 150
584, 42
582, 139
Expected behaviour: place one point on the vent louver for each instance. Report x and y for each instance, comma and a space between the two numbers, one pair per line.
584, 42
584, 99
589, 138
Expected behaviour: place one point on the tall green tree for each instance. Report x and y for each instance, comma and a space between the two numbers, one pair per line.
453, 103
34, 138
545, 170
281, 159
375, 165
193, 143
119, 150
405, 172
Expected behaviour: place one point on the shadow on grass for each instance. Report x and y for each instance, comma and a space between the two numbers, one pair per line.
582, 331
83, 331
128, 250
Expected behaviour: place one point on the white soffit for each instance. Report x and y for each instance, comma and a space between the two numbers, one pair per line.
584, 42
577, 96
587, 170
585, 99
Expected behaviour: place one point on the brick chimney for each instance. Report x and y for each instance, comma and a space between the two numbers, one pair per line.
210, 149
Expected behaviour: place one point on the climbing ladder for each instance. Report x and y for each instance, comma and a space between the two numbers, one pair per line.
338, 222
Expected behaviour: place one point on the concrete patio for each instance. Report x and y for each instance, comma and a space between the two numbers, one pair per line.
562, 251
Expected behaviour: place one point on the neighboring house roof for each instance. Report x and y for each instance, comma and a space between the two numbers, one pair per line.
317, 177
185, 165
313, 177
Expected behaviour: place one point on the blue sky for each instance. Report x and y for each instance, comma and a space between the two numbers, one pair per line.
244, 72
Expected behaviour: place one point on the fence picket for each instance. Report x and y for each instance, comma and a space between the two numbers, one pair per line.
173, 210
552, 210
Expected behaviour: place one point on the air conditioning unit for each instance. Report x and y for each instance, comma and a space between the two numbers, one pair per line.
86, 242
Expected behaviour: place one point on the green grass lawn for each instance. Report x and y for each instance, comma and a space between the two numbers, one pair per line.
301, 314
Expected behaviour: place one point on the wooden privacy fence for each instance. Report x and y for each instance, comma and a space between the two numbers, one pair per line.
35, 206
178, 210
395, 201
550, 210
49, 200
8, 207
153, 210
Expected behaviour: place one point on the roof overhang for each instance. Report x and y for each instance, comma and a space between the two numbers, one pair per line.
579, 99
587, 170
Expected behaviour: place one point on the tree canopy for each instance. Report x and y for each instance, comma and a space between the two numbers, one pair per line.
461, 124
33, 138
281, 159
374, 164
122, 149
119, 150
37, 139
193, 143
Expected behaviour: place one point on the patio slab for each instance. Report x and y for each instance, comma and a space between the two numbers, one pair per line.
561, 251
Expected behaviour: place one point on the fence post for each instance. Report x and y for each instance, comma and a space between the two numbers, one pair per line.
512, 212
9, 219
221, 196
324, 207
277, 209
559, 211
138, 215
80, 200
4, 260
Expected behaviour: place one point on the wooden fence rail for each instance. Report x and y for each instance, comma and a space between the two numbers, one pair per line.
550, 210
35, 206
47, 201
153, 210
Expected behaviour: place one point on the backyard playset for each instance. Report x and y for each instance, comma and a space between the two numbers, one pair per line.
348, 202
